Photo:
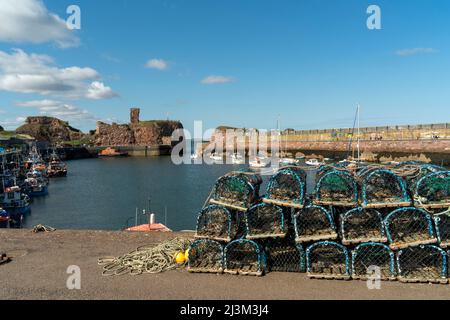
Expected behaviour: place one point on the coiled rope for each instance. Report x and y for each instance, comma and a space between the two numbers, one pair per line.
43, 228
146, 259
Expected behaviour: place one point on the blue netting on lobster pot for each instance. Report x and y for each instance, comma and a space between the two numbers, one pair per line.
285, 256
265, 221
373, 261
237, 190
336, 187
205, 256
217, 223
313, 223
328, 260
362, 225
424, 263
433, 191
382, 188
287, 188
442, 223
407, 227
244, 257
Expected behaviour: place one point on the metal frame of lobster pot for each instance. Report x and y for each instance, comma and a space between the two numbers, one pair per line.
382, 188
313, 223
361, 225
244, 257
433, 191
442, 224
373, 260
265, 221
217, 223
424, 263
236, 190
285, 256
328, 260
206, 256
337, 188
287, 188
407, 227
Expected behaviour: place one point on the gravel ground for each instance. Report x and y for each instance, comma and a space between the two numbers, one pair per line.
40, 262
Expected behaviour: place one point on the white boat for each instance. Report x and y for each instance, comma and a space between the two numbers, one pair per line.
216, 158
194, 156
314, 163
289, 161
237, 158
259, 163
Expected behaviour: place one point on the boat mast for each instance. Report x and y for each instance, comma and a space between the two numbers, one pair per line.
359, 127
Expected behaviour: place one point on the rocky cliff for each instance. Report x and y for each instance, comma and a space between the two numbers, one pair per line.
49, 129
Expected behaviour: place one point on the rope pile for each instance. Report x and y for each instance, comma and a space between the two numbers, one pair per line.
43, 228
146, 259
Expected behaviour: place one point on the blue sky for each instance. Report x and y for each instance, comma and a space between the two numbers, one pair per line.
236, 62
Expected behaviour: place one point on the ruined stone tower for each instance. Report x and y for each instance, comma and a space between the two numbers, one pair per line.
134, 115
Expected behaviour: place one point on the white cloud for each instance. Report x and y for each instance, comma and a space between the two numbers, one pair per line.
29, 21
12, 124
98, 90
33, 73
158, 64
217, 80
59, 110
414, 51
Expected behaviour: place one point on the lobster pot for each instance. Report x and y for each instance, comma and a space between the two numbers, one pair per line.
407, 227
327, 260
336, 187
217, 223
205, 256
383, 188
362, 225
313, 223
433, 190
442, 223
283, 256
265, 221
373, 261
416, 171
425, 263
244, 257
237, 190
287, 188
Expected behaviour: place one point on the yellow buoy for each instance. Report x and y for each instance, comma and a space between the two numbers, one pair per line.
180, 258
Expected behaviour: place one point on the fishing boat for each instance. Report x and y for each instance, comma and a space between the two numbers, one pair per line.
35, 185
111, 152
16, 204
4, 218
56, 168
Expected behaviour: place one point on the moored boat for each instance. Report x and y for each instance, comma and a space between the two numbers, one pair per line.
111, 152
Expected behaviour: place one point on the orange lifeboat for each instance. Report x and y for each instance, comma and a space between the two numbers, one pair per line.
111, 152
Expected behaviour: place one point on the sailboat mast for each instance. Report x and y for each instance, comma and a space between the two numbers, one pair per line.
359, 126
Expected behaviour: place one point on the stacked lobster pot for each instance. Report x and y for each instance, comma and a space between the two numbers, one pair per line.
221, 245
374, 221
381, 234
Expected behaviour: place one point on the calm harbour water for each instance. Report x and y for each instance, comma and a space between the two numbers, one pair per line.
104, 193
